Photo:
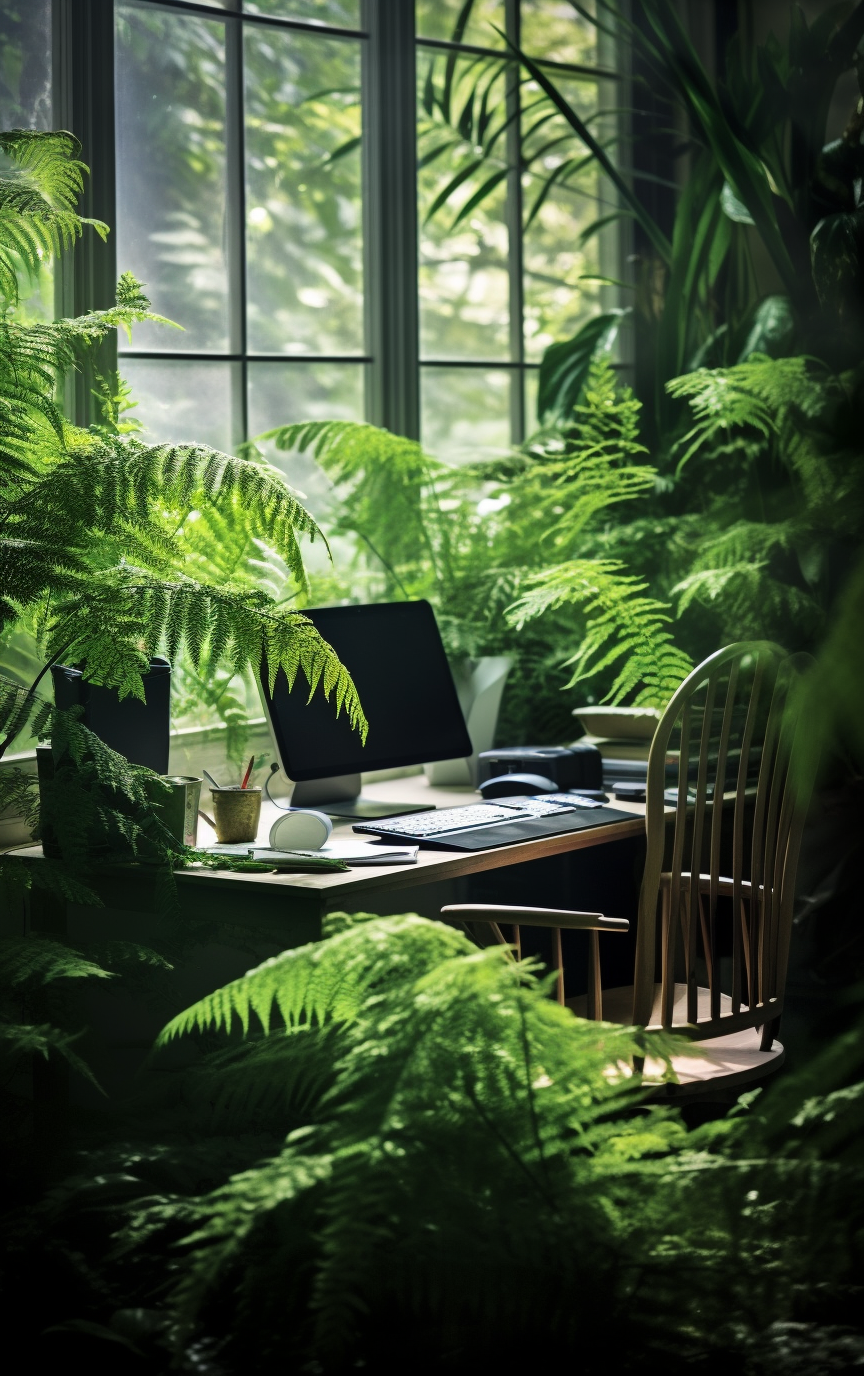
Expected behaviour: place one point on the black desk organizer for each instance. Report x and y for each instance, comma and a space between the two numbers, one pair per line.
138, 730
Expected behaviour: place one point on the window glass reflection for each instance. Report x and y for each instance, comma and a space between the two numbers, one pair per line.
303, 196
171, 172
466, 412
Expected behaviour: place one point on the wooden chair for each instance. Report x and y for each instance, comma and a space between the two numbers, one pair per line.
721, 757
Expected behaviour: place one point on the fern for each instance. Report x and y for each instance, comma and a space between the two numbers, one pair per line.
576, 474
384, 482
42, 961
37, 202
762, 397
621, 623
95, 524
749, 601
325, 980
409, 1050
18, 793
19, 1040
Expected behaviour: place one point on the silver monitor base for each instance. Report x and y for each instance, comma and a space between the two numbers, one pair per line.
339, 796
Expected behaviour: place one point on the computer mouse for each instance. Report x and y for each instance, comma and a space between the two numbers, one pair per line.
516, 785
300, 829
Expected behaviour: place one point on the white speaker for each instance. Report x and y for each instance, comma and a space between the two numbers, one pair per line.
300, 829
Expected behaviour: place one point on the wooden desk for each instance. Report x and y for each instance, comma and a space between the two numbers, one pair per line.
236, 920
292, 905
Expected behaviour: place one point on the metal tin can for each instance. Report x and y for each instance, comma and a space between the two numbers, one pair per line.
179, 810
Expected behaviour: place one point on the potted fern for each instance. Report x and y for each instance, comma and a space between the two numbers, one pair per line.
100, 531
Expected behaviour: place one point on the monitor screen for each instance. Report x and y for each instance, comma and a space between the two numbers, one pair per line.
394, 654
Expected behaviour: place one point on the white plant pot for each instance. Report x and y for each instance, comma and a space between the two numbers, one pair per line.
479, 684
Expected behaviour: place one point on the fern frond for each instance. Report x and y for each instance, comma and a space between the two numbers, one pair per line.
751, 602
39, 960
119, 619
758, 398
37, 202
574, 475
385, 481
19, 793
621, 623
20, 708
325, 981
454, 1084
21, 1039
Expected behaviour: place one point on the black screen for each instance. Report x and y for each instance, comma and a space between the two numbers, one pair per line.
394, 654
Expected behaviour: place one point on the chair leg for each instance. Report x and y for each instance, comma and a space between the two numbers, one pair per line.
559, 964
594, 1001
769, 1031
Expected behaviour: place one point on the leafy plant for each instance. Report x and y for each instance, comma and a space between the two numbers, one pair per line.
411, 1142
475, 541
97, 529
381, 1166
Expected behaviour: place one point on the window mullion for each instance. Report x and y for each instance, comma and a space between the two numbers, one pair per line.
514, 229
390, 217
235, 224
86, 279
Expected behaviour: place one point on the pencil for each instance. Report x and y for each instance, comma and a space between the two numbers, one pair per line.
248, 772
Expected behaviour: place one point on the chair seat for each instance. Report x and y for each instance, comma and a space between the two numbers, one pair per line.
719, 1062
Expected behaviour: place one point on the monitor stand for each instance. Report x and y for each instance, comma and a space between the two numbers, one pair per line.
339, 796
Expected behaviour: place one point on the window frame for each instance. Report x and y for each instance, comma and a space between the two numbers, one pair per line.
83, 79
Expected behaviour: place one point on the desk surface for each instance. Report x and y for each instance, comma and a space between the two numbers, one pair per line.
337, 890
432, 865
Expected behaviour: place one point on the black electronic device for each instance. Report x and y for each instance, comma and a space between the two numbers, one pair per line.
138, 730
512, 785
394, 654
568, 766
504, 822
629, 791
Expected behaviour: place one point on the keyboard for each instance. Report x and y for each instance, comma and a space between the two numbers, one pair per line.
483, 826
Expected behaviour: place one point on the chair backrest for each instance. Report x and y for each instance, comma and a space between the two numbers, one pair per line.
721, 753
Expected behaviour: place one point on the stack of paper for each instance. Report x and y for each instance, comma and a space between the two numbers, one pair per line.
346, 852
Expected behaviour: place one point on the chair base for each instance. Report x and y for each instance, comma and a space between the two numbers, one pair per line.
717, 1063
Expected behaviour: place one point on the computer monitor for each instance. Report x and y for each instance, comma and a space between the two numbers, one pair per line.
394, 654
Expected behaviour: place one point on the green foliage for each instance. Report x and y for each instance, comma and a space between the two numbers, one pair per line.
412, 1141
390, 480
620, 623
785, 432
476, 538
93, 542
450, 1083
37, 202
831, 694
27, 966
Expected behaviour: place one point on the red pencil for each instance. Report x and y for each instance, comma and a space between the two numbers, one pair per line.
248, 772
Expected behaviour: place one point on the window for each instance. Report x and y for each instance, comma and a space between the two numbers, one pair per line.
503, 273
239, 203
353, 208
281, 186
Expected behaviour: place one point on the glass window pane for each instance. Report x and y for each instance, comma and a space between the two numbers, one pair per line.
342, 14
303, 206
281, 394
464, 278
558, 32
171, 172
25, 103
182, 401
438, 19
559, 291
25, 65
465, 413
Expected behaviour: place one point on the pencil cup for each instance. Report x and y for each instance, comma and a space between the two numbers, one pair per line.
236, 812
